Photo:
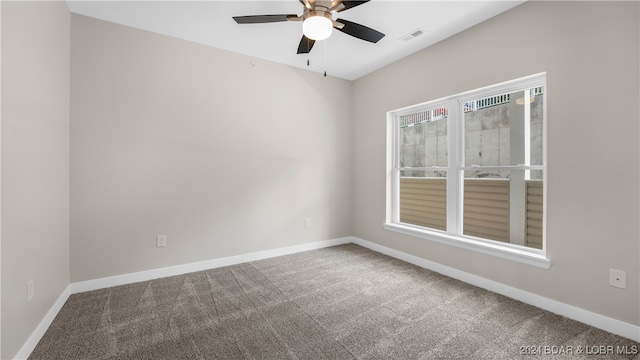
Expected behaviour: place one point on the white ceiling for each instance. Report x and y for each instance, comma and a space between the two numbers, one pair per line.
211, 23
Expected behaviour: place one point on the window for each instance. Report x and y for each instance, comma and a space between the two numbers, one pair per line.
469, 170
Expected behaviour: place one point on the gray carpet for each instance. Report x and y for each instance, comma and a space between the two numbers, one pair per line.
343, 302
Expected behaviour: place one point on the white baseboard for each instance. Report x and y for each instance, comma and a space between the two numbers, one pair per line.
600, 321
42, 327
584, 316
102, 283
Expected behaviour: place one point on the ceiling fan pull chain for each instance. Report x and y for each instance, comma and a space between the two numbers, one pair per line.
325, 57
308, 50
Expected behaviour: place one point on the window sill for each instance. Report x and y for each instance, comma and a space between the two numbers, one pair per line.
505, 252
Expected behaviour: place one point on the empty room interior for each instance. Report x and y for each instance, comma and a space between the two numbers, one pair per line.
401, 189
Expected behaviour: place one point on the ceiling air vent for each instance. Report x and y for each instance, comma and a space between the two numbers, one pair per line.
412, 35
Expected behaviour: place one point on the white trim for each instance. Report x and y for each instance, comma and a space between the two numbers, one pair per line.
147, 275
89, 285
455, 177
510, 86
455, 180
27, 348
392, 178
500, 250
599, 321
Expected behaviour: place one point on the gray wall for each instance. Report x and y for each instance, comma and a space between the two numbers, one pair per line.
171, 137
35, 164
590, 53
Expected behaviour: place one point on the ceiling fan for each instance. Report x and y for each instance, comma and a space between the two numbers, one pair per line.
317, 22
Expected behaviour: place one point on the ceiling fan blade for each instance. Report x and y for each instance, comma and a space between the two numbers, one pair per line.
260, 19
360, 31
350, 4
307, 3
305, 45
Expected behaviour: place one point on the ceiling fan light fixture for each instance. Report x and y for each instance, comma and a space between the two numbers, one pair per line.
318, 25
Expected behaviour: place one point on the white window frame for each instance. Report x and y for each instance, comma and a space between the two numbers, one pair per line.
454, 236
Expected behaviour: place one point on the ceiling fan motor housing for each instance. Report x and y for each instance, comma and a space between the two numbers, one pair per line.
317, 12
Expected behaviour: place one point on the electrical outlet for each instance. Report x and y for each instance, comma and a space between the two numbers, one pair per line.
161, 240
30, 290
618, 278
307, 223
